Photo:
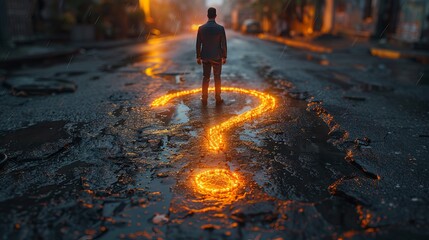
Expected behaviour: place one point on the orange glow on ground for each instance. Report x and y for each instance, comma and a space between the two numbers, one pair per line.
158, 66
215, 137
217, 181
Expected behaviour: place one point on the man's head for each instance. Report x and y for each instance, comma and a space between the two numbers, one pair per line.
211, 13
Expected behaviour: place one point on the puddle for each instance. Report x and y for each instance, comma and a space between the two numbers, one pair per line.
243, 110
177, 77
252, 136
247, 102
181, 114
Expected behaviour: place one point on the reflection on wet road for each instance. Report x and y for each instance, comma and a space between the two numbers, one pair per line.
215, 133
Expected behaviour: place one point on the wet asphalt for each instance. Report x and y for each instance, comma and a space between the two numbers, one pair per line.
343, 155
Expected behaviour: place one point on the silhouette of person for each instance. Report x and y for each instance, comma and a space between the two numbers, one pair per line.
211, 52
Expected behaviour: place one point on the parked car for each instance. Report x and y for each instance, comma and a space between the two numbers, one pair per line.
251, 26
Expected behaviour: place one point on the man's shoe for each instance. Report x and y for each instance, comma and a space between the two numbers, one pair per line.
219, 102
204, 102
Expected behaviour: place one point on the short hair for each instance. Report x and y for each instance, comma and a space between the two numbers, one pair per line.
211, 13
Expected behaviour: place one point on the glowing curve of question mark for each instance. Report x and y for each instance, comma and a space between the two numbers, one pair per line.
215, 137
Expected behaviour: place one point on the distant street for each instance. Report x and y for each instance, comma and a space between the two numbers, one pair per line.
344, 154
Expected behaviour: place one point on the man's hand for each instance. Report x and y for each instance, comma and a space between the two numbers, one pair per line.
223, 61
199, 61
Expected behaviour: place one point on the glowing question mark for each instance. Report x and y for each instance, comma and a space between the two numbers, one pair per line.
215, 137
221, 182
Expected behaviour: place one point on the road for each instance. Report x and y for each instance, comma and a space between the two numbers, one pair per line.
343, 154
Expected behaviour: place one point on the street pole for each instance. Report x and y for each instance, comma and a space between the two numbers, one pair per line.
328, 16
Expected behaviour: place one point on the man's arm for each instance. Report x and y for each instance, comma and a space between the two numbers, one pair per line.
198, 47
224, 46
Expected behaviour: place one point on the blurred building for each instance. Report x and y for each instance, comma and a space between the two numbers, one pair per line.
88, 20
355, 17
401, 21
412, 22
241, 10
173, 16
62, 20
16, 18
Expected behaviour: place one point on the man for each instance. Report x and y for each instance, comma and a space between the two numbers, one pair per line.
211, 52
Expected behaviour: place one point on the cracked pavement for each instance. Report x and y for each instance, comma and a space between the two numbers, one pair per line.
344, 154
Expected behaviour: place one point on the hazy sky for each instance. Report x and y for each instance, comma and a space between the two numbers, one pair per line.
213, 2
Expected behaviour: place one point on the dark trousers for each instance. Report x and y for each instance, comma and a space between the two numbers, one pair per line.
217, 69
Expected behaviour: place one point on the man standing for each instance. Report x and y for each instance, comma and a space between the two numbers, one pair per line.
211, 51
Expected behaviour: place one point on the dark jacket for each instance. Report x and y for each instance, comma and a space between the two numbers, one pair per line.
211, 41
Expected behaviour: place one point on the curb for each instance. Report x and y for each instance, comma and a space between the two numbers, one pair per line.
385, 53
35, 59
396, 54
40, 58
296, 44
101, 46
